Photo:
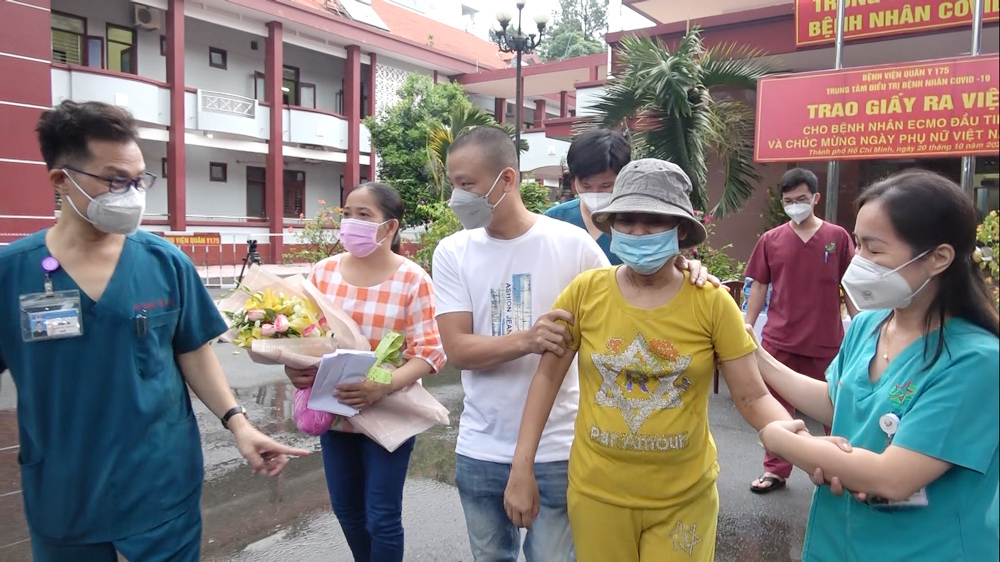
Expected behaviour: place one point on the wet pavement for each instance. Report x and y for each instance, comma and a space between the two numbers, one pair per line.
248, 518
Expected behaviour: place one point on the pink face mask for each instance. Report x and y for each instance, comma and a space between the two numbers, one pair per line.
360, 237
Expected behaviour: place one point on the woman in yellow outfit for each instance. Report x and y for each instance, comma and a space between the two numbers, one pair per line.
643, 467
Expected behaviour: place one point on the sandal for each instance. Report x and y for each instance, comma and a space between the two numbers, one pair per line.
775, 484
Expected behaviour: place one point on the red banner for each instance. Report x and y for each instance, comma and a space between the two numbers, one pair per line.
194, 239
815, 20
944, 107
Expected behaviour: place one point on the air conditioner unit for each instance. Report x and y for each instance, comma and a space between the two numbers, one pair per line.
146, 17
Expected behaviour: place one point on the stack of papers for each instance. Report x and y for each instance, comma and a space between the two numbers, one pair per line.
343, 366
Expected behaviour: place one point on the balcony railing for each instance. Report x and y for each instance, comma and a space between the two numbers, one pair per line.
229, 104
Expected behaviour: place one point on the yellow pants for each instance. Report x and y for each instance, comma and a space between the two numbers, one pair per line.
603, 532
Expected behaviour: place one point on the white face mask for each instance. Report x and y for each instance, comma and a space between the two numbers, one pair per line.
798, 212
595, 201
874, 287
114, 213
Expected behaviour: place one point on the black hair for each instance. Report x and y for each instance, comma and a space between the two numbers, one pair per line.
64, 131
493, 143
797, 176
391, 205
597, 151
927, 210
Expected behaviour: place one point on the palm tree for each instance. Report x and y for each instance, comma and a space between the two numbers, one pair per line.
674, 104
462, 118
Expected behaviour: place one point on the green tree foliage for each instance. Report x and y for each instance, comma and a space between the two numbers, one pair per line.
401, 133
318, 239
679, 106
578, 30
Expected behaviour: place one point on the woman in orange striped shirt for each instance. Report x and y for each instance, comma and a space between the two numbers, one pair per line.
383, 292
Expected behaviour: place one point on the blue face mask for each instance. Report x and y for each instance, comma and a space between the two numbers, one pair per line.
645, 254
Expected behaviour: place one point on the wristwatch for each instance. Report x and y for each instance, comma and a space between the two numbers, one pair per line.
233, 412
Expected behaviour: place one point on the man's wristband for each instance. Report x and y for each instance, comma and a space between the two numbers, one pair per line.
234, 411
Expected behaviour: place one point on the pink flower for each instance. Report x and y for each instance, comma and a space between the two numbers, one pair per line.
281, 324
322, 202
290, 229
267, 330
255, 315
323, 323
312, 331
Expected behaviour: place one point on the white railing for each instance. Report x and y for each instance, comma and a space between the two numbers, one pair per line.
229, 104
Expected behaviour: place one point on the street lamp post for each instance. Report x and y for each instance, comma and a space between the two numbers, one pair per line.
516, 41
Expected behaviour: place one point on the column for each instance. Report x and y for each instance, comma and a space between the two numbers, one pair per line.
352, 110
564, 104
500, 110
176, 153
539, 114
25, 192
372, 65
274, 191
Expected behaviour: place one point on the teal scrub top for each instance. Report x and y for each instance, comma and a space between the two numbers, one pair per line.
109, 445
949, 411
570, 212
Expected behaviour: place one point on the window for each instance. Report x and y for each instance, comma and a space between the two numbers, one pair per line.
67, 38
121, 49
163, 168
307, 95
290, 85
259, 86
295, 194
163, 45
216, 58
217, 171
95, 52
256, 178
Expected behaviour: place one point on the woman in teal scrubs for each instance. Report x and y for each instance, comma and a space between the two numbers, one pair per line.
914, 389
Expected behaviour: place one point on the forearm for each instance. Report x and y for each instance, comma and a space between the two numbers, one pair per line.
409, 373
761, 410
541, 396
203, 373
755, 302
859, 470
476, 352
808, 395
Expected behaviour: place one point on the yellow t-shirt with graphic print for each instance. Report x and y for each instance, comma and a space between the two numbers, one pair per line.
642, 438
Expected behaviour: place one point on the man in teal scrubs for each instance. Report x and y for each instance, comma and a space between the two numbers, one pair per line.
109, 447
594, 160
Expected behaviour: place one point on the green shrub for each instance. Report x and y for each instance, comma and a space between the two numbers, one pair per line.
318, 239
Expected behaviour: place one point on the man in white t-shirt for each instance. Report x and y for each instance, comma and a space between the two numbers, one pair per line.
495, 283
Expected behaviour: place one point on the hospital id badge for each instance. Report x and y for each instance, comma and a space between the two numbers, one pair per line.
51, 316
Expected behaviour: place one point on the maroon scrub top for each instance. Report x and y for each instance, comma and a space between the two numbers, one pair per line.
804, 315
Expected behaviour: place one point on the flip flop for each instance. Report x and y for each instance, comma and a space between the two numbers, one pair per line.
776, 484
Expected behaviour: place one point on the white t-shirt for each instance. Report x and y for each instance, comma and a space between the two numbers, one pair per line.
507, 285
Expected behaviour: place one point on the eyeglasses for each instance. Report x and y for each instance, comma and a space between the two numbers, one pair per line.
121, 184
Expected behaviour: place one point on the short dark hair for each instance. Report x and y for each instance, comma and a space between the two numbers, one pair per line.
796, 177
65, 130
597, 151
492, 142
391, 205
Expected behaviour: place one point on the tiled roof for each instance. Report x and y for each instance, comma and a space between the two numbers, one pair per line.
437, 35
425, 31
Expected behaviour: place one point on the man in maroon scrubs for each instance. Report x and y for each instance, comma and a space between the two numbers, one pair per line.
804, 260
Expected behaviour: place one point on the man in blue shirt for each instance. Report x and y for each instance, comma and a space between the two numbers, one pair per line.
594, 160
110, 453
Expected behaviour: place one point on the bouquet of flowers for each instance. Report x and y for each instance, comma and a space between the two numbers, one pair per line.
288, 321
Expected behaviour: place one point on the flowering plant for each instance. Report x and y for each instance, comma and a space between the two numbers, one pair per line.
269, 314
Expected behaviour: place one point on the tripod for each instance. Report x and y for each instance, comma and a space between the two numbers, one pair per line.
252, 257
